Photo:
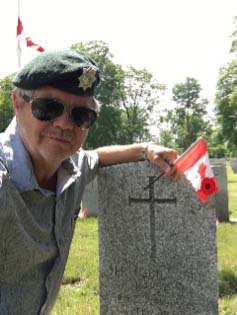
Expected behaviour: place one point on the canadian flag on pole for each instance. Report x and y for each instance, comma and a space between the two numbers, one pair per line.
195, 165
27, 40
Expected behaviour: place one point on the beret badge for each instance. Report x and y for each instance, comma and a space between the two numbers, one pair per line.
87, 78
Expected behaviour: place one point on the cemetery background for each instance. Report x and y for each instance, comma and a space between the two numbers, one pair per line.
80, 288
79, 294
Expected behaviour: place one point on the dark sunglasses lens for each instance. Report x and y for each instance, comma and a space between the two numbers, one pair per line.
83, 117
46, 109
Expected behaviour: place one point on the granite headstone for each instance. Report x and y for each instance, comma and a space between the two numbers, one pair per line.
233, 163
221, 197
157, 246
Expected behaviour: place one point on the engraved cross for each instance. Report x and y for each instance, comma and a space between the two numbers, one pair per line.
152, 200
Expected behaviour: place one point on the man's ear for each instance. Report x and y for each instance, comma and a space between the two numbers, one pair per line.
15, 102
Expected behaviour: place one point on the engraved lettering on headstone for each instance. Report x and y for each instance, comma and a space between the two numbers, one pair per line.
152, 200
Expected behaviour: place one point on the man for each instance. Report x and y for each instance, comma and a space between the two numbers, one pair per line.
43, 173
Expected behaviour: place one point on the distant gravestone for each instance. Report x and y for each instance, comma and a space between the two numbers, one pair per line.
90, 198
233, 163
221, 198
157, 247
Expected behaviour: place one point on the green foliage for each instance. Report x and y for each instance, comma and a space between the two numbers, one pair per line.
112, 75
218, 151
134, 126
141, 95
233, 48
226, 104
6, 110
127, 96
226, 99
187, 118
107, 130
166, 138
186, 94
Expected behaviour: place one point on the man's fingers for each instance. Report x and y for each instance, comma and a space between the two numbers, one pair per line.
163, 157
164, 165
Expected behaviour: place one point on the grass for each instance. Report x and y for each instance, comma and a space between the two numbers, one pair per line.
79, 294
232, 192
227, 253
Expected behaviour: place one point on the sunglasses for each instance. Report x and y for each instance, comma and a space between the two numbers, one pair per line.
45, 109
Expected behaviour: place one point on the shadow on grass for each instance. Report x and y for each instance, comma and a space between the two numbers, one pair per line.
71, 280
227, 280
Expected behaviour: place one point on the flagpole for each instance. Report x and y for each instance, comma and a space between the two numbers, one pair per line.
19, 39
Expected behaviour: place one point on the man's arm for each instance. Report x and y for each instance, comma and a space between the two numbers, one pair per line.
159, 155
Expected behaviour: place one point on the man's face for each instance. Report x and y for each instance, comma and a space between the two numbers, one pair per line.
54, 140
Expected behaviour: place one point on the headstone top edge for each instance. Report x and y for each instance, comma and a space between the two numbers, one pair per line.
138, 164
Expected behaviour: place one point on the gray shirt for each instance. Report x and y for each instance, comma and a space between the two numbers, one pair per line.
36, 226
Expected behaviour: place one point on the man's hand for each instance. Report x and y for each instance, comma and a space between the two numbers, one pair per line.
162, 156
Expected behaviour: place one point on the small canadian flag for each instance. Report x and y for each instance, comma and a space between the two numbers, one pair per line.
26, 39
195, 165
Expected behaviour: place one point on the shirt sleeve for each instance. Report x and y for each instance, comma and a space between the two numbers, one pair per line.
88, 164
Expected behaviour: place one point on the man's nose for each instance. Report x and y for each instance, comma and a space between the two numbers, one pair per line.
64, 121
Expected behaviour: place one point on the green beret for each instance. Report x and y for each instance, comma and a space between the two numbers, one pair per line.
68, 70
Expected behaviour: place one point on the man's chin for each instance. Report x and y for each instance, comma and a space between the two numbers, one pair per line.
57, 153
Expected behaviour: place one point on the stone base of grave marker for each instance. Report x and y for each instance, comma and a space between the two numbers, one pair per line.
233, 163
157, 247
221, 198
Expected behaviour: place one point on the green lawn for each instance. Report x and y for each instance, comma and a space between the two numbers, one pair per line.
227, 253
79, 291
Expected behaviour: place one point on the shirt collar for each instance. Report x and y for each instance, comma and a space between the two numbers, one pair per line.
18, 163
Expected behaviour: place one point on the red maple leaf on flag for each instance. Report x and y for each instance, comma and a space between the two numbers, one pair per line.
202, 170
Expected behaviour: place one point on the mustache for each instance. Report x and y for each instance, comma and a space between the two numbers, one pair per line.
58, 133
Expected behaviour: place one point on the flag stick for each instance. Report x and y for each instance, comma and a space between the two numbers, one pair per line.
154, 180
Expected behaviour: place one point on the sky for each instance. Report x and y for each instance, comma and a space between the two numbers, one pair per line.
173, 39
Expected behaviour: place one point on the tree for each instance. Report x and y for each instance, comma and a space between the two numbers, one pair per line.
167, 138
109, 91
187, 118
233, 48
141, 95
226, 105
6, 110
106, 130
226, 99
127, 97
112, 75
